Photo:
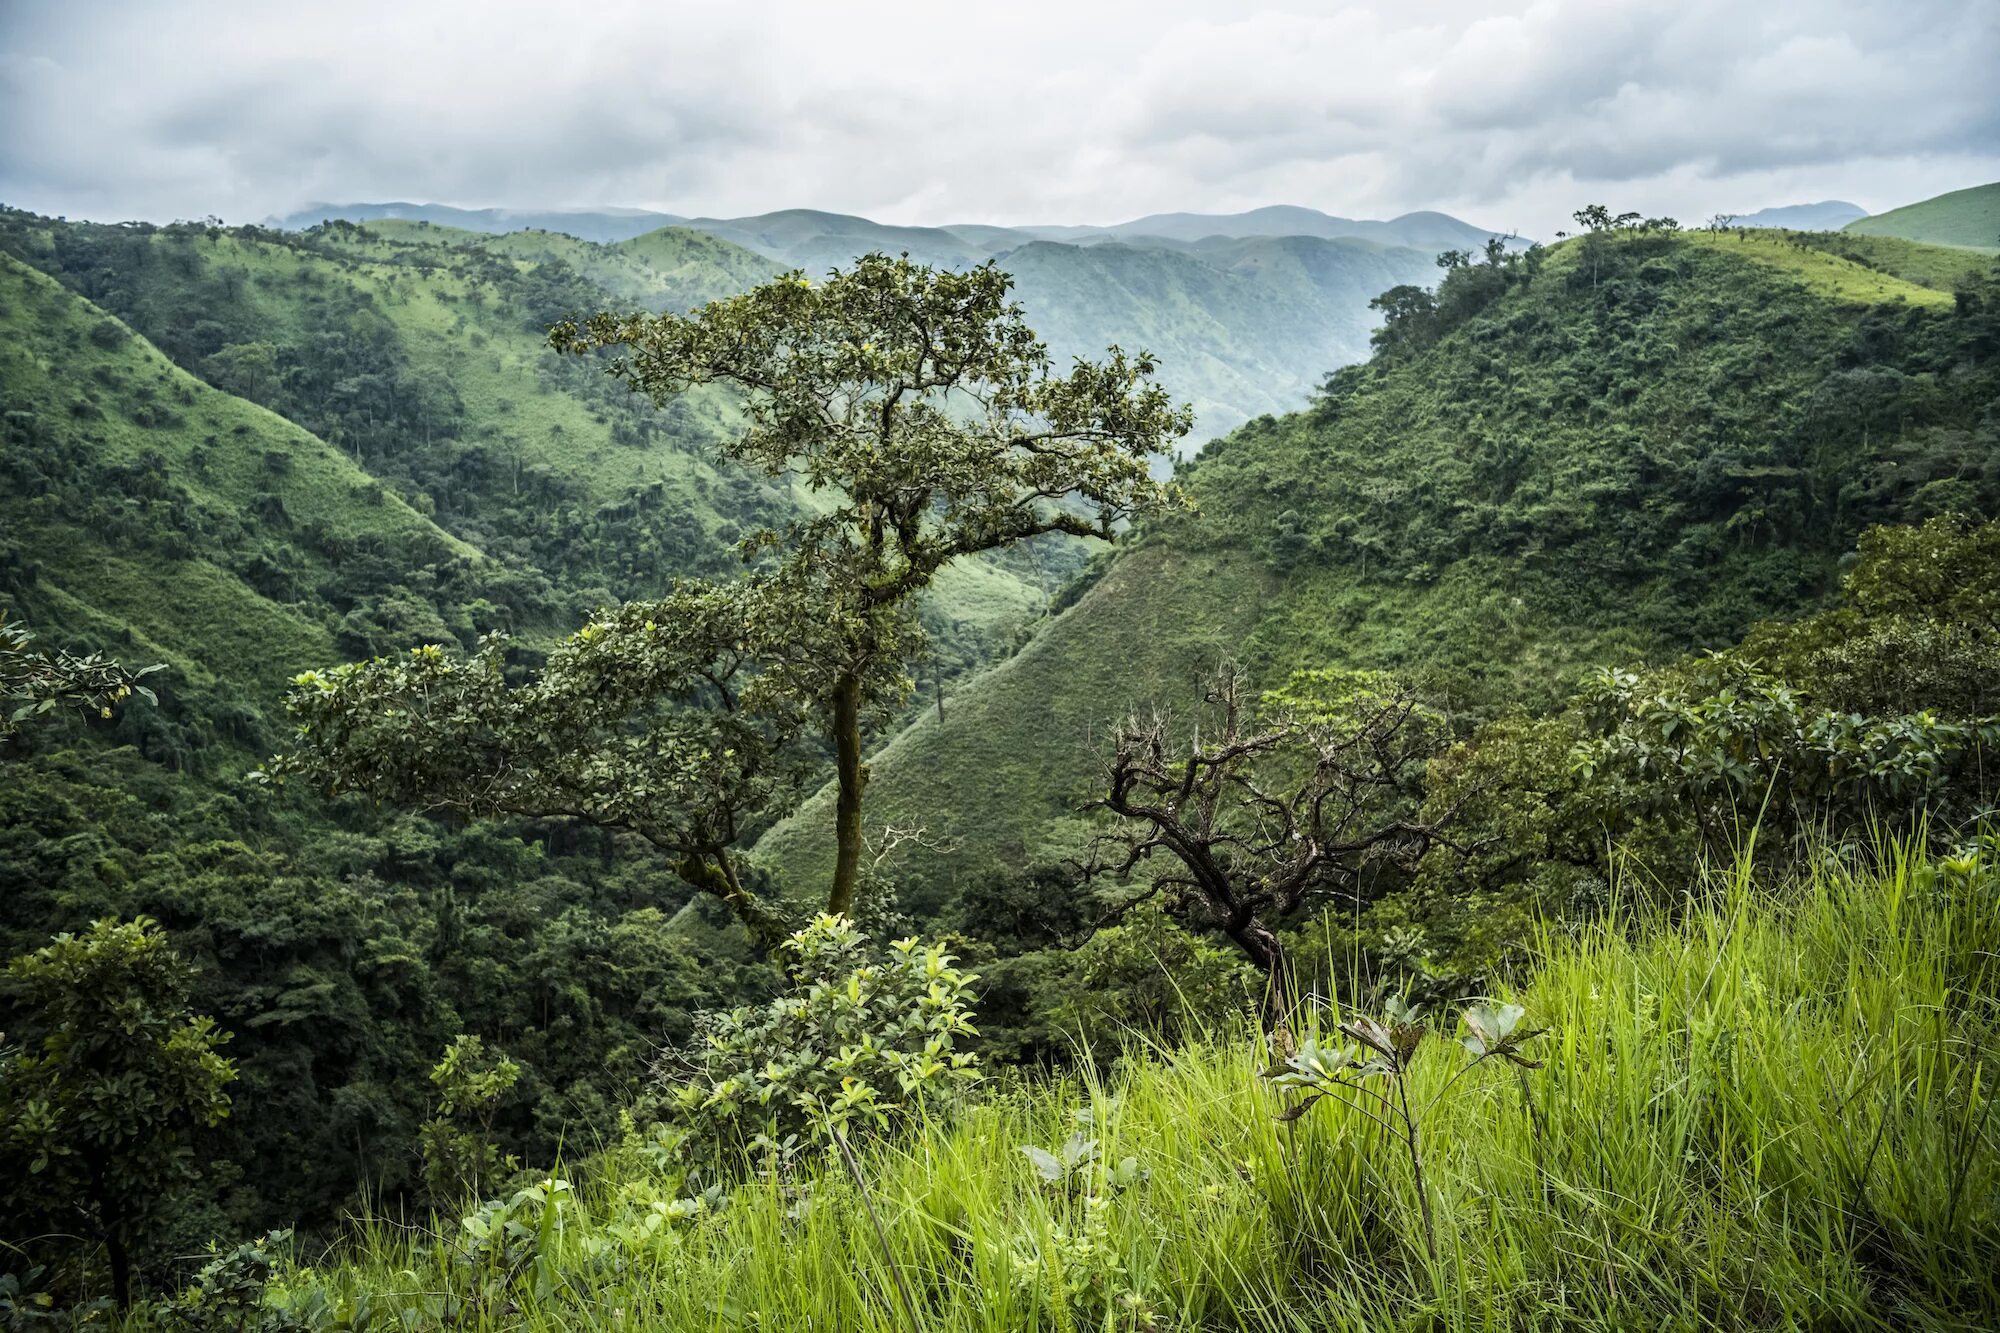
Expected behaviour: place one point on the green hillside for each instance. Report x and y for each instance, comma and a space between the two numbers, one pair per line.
1241, 325
149, 515
1626, 449
419, 350
1963, 217
615, 224
143, 507
671, 268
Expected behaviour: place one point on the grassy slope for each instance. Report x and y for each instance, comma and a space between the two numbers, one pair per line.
194, 612
1514, 618
495, 373
1771, 1114
1007, 760
1886, 269
1963, 217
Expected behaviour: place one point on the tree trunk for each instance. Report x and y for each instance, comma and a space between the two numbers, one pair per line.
121, 1268
766, 924
852, 775
1266, 952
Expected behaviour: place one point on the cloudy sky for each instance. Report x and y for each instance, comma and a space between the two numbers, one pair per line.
1076, 111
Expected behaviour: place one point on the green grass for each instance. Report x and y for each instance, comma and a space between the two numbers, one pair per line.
1963, 217
1767, 1108
1888, 277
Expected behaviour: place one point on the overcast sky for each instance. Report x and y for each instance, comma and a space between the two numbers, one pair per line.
1077, 111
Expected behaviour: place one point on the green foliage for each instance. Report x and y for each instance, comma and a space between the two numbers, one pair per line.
674, 719
1722, 743
35, 681
1918, 627
1772, 1109
232, 1293
863, 1041
460, 1158
101, 1105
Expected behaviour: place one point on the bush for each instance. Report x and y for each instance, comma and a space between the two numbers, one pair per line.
863, 1040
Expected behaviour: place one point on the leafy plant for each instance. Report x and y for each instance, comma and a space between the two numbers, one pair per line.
863, 1039
1375, 1064
232, 1294
1720, 739
97, 1112
1074, 1164
35, 681
1073, 1263
460, 1157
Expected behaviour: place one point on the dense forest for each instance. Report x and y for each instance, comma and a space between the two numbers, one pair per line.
781, 794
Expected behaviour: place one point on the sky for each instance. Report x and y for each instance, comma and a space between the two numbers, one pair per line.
1084, 111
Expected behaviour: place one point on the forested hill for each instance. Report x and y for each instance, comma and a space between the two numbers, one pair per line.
150, 512
1626, 447
1241, 325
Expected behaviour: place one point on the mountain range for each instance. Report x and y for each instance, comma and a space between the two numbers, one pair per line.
811, 239
1828, 215
1242, 326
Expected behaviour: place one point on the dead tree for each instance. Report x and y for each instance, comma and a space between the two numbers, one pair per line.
1261, 817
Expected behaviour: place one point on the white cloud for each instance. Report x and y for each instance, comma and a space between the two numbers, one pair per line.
1036, 111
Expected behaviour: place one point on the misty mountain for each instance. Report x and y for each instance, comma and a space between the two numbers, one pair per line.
1827, 215
1417, 231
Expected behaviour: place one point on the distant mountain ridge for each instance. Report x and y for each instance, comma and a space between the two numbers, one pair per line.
1241, 326
814, 239
603, 226
1416, 231
1827, 215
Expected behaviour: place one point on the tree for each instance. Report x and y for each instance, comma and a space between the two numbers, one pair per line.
96, 1111
460, 1157
1265, 816
674, 720
924, 413
35, 681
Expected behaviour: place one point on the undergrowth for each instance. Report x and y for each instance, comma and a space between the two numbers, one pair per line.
1759, 1106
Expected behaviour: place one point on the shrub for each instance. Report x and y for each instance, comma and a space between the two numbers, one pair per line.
862, 1040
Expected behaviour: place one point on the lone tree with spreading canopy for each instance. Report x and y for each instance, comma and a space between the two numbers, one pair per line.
929, 424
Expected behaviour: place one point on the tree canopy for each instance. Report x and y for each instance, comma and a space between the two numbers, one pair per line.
929, 422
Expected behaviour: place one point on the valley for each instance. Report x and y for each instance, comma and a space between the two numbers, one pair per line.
1583, 608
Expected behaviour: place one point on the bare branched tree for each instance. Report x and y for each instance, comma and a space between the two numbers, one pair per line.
1260, 817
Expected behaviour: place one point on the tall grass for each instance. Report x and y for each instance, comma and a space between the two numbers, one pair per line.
1764, 1108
